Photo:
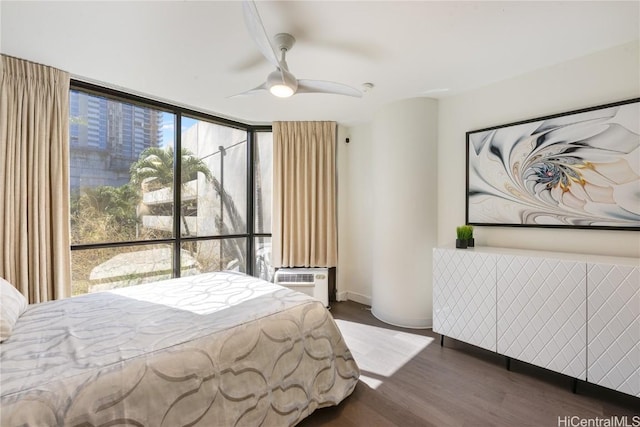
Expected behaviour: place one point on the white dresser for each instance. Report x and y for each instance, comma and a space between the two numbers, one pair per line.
574, 314
613, 326
464, 296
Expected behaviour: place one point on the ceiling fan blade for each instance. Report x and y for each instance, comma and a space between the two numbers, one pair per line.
258, 33
257, 89
320, 86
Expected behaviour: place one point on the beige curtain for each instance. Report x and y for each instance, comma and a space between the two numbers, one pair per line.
34, 179
304, 229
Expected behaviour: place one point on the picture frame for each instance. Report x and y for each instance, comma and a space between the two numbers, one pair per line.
579, 169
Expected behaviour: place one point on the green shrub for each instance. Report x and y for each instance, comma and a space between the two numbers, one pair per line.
464, 232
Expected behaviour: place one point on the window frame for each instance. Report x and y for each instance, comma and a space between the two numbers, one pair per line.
177, 239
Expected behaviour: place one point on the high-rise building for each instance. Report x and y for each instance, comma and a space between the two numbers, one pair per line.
106, 137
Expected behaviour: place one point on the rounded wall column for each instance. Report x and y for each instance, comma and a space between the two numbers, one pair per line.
404, 186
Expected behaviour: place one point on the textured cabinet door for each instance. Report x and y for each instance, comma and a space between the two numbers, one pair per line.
542, 312
464, 296
613, 326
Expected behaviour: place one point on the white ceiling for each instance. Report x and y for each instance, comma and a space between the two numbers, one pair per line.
198, 53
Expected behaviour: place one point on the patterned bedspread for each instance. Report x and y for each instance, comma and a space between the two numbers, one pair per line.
218, 349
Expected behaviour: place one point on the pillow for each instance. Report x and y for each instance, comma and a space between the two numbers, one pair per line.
12, 304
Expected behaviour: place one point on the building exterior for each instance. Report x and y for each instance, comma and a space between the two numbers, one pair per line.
106, 136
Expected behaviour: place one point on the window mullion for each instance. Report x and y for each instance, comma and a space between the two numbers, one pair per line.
250, 200
177, 196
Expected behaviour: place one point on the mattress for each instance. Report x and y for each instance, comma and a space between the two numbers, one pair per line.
217, 349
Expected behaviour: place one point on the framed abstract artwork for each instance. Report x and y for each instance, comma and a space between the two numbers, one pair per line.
578, 169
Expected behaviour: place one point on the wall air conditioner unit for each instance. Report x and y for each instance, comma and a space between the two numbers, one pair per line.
311, 281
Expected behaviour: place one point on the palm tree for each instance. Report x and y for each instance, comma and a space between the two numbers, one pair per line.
155, 169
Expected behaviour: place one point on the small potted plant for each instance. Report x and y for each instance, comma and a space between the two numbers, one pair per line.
470, 241
461, 240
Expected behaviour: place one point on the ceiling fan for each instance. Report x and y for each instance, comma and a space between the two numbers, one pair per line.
281, 82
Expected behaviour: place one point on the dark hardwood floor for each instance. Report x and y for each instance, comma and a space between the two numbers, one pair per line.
455, 385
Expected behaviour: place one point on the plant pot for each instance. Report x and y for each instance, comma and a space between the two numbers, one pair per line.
461, 244
471, 242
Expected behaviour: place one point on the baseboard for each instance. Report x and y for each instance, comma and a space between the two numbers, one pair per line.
359, 298
403, 322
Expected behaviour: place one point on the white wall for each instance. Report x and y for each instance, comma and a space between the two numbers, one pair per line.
607, 76
355, 220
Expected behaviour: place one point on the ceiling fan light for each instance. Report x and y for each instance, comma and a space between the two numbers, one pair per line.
281, 90
282, 83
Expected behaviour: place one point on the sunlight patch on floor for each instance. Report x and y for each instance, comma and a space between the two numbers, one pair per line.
380, 352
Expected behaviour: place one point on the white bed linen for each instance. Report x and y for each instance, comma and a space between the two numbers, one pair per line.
218, 349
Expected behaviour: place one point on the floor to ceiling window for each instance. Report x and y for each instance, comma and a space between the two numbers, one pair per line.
158, 191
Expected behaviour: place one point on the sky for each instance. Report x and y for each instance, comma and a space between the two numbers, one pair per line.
169, 125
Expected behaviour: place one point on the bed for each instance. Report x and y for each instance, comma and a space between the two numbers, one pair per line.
217, 349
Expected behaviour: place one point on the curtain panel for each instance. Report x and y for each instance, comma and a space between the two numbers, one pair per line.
304, 229
34, 179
